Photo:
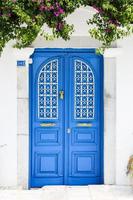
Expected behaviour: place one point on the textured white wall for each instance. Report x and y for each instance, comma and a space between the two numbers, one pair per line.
124, 109
8, 119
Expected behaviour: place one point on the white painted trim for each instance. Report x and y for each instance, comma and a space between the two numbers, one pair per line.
113, 52
110, 53
30, 61
23, 53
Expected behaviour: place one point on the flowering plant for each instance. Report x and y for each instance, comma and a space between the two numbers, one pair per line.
130, 166
23, 20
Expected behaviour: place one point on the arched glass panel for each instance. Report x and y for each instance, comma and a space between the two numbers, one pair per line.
84, 91
48, 91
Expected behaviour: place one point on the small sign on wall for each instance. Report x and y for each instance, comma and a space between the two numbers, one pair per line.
21, 63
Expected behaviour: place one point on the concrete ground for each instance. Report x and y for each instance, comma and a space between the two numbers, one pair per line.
103, 192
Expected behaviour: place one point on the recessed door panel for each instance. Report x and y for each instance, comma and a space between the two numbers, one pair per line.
82, 136
84, 120
44, 136
66, 117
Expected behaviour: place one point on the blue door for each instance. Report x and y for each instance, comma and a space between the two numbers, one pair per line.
66, 117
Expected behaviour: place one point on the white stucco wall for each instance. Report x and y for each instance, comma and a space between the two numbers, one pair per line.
8, 119
124, 109
118, 95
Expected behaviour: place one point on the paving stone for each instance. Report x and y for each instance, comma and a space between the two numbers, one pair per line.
96, 192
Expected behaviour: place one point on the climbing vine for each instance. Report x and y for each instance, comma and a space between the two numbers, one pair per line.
23, 20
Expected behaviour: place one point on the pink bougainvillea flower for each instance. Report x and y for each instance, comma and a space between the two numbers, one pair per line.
60, 26
61, 11
108, 30
97, 9
56, 14
42, 7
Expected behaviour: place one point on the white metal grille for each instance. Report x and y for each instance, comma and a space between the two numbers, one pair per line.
84, 91
48, 91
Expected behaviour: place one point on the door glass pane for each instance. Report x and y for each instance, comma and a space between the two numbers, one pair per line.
84, 91
48, 91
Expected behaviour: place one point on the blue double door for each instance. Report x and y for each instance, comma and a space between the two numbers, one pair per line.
66, 117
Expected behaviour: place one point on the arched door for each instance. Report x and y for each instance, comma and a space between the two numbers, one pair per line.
66, 117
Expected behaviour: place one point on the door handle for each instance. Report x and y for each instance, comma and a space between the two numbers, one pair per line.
84, 124
61, 94
47, 124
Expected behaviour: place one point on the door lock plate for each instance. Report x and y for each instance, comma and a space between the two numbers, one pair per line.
61, 94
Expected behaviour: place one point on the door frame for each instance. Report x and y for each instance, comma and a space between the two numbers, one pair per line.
69, 50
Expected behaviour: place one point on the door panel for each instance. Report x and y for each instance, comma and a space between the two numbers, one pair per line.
84, 121
84, 137
66, 117
47, 121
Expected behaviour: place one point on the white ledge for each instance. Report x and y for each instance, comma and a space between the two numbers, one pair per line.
23, 53
113, 52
